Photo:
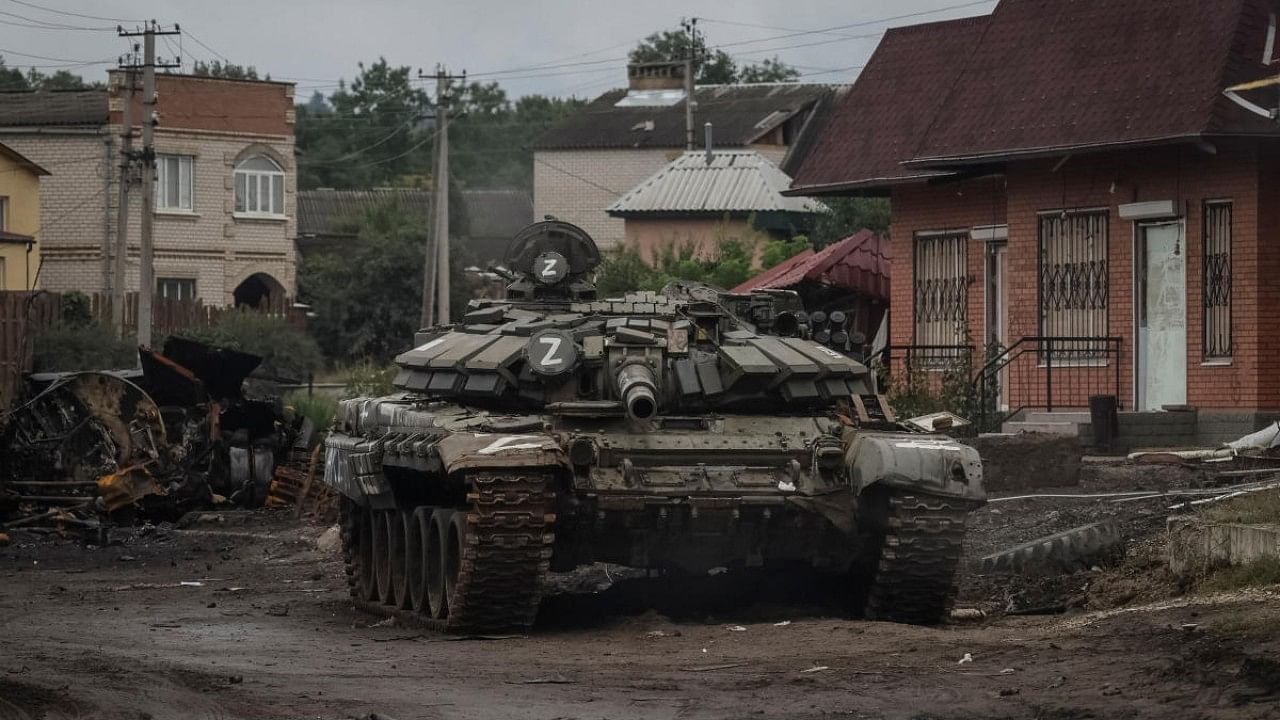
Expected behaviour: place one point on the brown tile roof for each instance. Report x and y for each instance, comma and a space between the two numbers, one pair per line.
858, 263
58, 107
739, 115
880, 121
1055, 75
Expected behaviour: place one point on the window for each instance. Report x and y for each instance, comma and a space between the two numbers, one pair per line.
173, 182
176, 288
941, 290
259, 187
4, 212
2, 286
1217, 281
1073, 274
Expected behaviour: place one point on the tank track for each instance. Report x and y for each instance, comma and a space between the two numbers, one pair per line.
499, 570
915, 574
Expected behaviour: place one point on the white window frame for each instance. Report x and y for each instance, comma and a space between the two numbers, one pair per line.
186, 182
163, 283
249, 187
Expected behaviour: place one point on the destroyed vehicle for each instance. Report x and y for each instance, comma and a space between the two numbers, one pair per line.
679, 431
176, 435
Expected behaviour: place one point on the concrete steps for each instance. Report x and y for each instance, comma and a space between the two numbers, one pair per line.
1049, 423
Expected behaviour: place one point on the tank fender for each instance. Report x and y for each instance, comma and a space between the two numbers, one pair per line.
353, 467
463, 450
932, 464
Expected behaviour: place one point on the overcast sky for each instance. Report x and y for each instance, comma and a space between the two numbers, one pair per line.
315, 42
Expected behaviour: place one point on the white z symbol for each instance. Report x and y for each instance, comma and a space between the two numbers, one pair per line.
549, 267
553, 344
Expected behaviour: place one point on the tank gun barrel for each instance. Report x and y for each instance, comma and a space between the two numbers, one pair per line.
638, 390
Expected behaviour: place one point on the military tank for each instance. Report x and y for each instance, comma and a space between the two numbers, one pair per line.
678, 431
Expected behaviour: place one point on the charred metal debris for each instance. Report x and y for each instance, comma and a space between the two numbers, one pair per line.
176, 435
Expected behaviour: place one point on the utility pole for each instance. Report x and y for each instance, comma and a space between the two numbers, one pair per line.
146, 275
690, 67
436, 274
120, 265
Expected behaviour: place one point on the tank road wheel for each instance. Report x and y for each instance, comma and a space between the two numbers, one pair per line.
915, 574
397, 554
350, 524
382, 557
437, 541
498, 552
368, 587
417, 528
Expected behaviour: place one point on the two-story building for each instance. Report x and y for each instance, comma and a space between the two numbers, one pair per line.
19, 219
224, 203
1086, 193
585, 163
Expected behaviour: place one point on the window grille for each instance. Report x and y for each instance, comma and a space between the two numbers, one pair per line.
1217, 280
1074, 287
941, 290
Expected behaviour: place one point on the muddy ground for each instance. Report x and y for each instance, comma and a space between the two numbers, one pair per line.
252, 621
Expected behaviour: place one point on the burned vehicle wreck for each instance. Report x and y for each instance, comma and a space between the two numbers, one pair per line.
679, 431
178, 434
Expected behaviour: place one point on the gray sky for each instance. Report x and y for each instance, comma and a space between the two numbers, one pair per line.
315, 42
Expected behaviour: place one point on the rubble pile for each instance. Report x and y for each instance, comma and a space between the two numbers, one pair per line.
177, 435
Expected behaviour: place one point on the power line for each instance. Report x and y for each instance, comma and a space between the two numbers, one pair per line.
3, 51
557, 168
45, 25
863, 23
199, 42
73, 14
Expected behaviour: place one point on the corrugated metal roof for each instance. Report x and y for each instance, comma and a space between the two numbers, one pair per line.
857, 263
735, 181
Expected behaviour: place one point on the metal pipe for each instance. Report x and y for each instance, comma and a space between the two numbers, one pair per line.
638, 390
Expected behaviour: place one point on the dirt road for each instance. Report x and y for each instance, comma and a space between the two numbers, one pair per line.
253, 622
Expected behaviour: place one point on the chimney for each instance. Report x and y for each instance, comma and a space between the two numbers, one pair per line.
667, 75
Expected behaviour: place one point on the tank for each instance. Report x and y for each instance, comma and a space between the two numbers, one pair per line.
678, 431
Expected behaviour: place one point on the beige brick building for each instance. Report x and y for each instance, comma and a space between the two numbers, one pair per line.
225, 203
588, 161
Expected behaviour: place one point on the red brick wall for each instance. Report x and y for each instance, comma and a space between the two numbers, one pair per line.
197, 103
1189, 176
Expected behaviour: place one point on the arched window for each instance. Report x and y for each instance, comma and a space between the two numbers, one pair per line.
259, 186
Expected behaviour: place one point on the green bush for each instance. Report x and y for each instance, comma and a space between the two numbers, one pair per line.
79, 342
287, 352
370, 380
321, 409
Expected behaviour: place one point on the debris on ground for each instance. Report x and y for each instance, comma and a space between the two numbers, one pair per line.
98, 447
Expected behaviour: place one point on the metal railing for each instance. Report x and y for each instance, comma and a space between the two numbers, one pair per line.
1034, 372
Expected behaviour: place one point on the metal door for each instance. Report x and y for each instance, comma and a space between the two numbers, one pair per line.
1162, 316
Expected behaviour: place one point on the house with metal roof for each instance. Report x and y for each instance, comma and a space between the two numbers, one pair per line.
1084, 198
589, 160
702, 197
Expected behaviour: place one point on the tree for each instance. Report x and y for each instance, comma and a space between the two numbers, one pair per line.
716, 67
770, 70
848, 216
12, 78
367, 297
227, 71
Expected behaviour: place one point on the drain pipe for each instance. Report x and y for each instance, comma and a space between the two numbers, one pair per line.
707, 132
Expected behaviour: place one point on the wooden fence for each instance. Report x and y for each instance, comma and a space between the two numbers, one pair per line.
26, 314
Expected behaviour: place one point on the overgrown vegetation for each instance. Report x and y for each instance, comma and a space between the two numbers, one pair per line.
848, 216
287, 352
1259, 573
319, 408
730, 263
12, 78
1261, 508
717, 67
370, 380
368, 296
77, 341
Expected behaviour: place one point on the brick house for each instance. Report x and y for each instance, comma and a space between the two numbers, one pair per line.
583, 164
225, 190
1072, 187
